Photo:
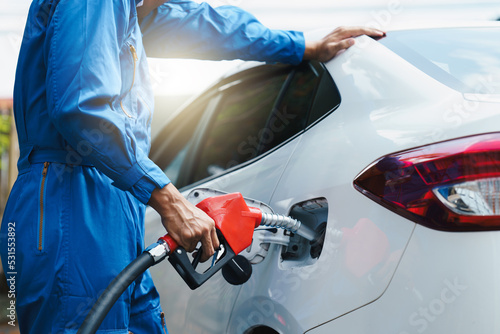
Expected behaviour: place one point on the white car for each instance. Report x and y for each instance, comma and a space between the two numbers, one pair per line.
391, 152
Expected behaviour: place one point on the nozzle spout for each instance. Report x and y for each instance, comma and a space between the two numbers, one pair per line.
289, 224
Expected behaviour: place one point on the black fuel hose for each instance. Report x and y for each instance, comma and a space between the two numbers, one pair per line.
114, 290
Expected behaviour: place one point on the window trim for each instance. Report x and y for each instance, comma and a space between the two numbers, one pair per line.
324, 71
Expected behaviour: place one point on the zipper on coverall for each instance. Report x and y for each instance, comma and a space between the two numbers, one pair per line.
42, 205
163, 324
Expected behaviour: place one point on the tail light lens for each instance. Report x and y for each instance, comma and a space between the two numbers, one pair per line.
451, 186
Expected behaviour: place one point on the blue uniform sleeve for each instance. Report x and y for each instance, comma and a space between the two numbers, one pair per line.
83, 88
185, 29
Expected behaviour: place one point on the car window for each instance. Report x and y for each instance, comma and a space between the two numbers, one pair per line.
467, 59
251, 114
327, 97
238, 125
170, 148
290, 115
257, 115
173, 169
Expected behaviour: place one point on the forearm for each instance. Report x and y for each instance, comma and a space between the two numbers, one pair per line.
186, 29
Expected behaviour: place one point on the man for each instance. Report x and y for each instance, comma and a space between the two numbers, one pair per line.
83, 106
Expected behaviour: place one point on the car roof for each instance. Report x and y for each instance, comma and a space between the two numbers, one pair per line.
417, 25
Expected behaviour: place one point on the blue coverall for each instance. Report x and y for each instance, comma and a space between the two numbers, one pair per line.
83, 106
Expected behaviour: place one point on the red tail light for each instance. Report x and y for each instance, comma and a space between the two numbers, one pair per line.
451, 186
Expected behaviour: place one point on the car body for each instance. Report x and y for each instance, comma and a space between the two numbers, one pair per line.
345, 147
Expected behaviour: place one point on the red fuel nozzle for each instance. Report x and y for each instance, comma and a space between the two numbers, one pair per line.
233, 218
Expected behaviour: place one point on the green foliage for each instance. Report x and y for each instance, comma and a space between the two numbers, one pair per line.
5, 127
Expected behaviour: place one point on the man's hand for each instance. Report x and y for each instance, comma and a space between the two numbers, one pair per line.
339, 39
185, 223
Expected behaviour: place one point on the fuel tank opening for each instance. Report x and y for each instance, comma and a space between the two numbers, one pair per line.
300, 251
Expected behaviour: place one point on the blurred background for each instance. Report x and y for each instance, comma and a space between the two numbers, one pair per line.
175, 81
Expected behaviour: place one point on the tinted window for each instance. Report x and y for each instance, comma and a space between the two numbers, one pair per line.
290, 115
173, 169
238, 124
170, 148
248, 115
466, 59
327, 98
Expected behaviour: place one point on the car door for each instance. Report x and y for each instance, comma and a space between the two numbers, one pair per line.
236, 137
299, 285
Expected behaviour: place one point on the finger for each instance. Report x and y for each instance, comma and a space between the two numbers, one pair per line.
182, 241
215, 239
372, 32
207, 246
346, 32
189, 244
190, 247
342, 45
